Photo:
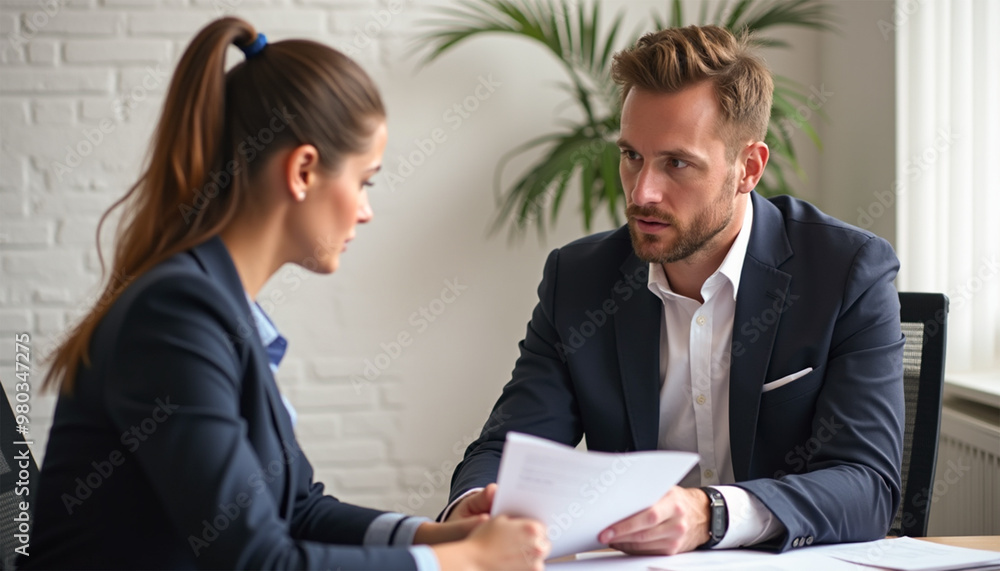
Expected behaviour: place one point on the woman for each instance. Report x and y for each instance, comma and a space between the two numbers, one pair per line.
171, 446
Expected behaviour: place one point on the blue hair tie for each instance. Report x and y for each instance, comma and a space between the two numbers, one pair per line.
255, 47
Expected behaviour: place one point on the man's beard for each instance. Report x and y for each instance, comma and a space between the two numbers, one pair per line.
689, 240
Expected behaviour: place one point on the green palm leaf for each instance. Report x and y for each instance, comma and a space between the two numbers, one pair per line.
585, 150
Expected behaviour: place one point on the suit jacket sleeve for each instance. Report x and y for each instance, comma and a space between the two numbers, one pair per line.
175, 383
843, 484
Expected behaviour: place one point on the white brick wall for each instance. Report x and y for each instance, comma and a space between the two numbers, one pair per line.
100, 67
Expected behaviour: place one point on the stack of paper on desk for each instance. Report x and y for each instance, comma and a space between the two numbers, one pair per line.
578, 494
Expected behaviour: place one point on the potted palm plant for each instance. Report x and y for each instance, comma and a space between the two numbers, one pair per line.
584, 150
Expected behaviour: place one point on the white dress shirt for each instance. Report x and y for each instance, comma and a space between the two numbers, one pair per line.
695, 352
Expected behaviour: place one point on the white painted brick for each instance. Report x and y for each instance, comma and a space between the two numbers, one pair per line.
117, 51
346, 453
25, 233
15, 320
286, 21
56, 266
72, 203
180, 22
52, 295
228, 7
376, 423
43, 52
317, 425
63, 80
13, 171
132, 3
8, 24
334, 368
97, 109
54, 112
84, 23
13, 112
137, 83
13, 205
393, 395
48, 321
77, 230
333, 396
19, 296
366, 479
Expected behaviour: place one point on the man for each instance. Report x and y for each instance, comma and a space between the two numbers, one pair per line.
761, 334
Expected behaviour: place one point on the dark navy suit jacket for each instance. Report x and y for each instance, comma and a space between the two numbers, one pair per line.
822, 452
174, 450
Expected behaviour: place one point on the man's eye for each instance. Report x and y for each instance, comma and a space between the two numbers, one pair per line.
630, 155
677, 163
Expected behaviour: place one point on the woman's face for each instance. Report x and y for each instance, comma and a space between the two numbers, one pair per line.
336, 204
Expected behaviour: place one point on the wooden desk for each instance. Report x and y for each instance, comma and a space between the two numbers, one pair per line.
987, 542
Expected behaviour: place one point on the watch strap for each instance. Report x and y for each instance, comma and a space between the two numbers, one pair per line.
718, 522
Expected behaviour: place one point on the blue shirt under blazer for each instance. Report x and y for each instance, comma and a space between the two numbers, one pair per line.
175, 451
822, 452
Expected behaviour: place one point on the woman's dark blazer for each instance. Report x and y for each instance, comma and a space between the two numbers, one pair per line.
174, 449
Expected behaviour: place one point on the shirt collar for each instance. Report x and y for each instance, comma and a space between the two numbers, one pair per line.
270, 338
731, 267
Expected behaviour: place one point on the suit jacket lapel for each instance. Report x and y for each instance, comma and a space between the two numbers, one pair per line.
637, 334
214, 258
762, 288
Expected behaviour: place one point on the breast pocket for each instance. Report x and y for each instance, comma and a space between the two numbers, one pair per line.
791, 387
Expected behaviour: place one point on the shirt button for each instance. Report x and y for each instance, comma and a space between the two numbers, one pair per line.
809, 540
701, 320
700, 399
709, 474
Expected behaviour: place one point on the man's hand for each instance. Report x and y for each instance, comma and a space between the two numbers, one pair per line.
474, 504
678, 522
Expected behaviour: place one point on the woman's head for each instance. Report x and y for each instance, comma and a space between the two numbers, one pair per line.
214, 152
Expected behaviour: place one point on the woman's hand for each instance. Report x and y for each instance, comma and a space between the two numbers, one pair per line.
431, 533
501, 543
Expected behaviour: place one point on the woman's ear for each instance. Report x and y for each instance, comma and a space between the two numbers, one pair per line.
301, 171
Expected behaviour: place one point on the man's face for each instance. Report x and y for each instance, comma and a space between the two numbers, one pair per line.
680, 191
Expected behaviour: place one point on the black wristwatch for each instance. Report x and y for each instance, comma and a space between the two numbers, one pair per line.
719, 521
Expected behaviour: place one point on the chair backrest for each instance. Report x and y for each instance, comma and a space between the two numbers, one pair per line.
924, 318
14, 484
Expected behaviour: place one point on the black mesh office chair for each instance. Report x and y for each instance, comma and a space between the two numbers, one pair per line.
10, 474
924, 319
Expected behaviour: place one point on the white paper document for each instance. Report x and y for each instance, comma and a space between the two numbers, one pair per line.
578, 494
908, 554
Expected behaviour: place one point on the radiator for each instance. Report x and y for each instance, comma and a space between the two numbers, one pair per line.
966, 497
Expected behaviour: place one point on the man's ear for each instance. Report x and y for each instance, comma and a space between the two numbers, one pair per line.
754, 158
301, 171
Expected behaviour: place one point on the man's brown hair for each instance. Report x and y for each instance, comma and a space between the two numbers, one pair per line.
676, 58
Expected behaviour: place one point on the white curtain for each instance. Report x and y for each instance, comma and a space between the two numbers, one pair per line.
947, 193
